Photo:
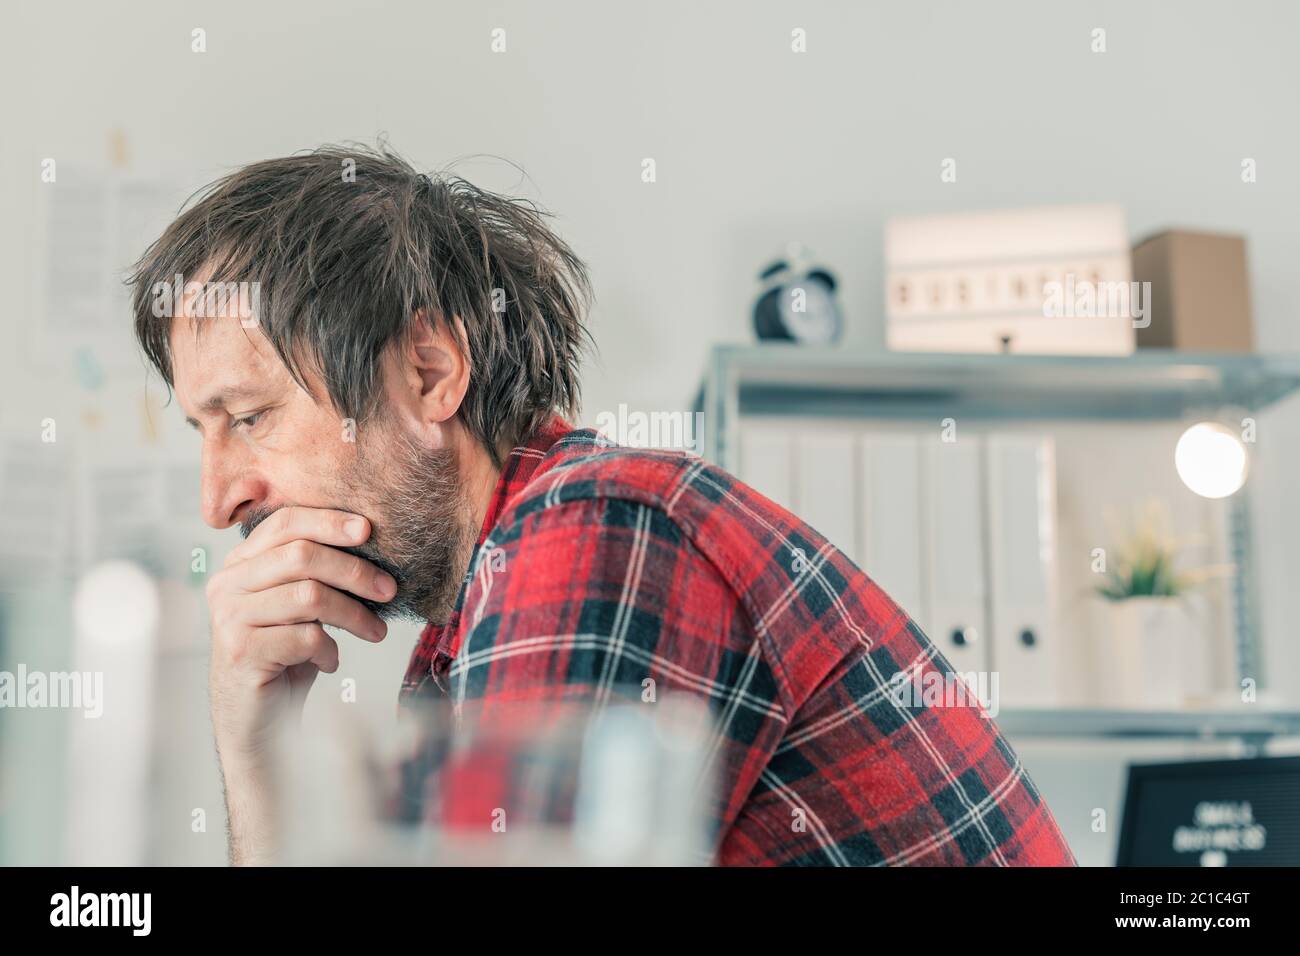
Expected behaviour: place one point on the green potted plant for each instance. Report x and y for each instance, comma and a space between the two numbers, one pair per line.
1157, 638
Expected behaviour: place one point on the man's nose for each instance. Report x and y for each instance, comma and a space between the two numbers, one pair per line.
226, 486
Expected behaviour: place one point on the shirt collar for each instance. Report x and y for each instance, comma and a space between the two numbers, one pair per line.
515, 475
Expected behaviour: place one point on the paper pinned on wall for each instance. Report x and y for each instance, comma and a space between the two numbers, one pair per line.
95, 224
65, 509
118, 517
35, 510
76, 255
90, 374
143, 509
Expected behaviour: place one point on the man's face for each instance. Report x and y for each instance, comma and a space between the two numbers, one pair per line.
267, 444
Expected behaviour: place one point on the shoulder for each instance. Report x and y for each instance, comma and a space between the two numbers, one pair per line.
598, 522
584, 466
761, 549
591, 496
610, 520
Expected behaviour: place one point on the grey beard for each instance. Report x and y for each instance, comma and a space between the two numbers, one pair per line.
419, 528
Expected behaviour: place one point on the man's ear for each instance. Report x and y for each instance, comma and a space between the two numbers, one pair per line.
440, 368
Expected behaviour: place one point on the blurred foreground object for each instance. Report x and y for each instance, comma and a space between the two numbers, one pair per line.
116, 610
577, 783
1050, 280
1200, 292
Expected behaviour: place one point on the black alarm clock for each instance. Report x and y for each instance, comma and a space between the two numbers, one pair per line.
797, 304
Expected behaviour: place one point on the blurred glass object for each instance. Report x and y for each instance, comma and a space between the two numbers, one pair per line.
558, 783
116, 604
116, 609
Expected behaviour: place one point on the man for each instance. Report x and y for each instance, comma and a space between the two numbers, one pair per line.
378, 363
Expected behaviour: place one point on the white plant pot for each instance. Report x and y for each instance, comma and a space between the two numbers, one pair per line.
1153, 649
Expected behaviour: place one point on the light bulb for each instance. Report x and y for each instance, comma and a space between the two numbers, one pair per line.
1211, 460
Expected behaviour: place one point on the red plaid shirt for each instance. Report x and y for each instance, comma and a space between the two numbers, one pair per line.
671, 569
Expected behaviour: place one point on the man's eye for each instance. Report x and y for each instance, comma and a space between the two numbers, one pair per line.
248, 421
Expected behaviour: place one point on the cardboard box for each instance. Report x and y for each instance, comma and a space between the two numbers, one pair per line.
1200, 292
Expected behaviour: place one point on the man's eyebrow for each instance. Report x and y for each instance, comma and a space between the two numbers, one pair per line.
218, 401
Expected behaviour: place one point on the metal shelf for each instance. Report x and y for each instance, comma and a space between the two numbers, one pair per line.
1218, 724
788, 379
785, 379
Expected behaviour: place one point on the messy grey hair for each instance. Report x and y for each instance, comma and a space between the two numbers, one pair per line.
343, 263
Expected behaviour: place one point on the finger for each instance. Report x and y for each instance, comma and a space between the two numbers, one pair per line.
302, 559
288, 644
326, 525
301, 601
